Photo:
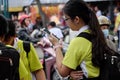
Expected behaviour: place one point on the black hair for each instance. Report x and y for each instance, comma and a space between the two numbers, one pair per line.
3, 25
53, 24
12, 30
79, 8
118, 8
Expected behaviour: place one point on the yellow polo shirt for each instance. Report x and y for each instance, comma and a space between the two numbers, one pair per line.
32, 62
117, 22
79, 53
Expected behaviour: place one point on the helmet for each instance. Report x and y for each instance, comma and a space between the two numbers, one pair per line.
103, 20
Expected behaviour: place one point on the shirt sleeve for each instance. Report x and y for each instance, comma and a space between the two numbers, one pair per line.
22, 70
35, 63
78, 52
117, 21
71, 58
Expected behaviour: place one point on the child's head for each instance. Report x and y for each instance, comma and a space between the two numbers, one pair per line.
9, 37
104, 23
24, 20
3, 27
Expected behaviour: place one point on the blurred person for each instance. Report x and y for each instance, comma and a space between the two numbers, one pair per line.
104, 25
26, 29
117, 24
31, 62
97, 11
36, 28
26, 23
4, 30
55, 19
55, 30
18, 26
89, 54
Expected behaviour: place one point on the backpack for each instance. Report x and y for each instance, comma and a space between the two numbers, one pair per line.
9, 63
110, 70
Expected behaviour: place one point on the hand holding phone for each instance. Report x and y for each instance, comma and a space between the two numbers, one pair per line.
48, 32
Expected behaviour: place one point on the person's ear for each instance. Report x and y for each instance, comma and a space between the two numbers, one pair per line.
77, 20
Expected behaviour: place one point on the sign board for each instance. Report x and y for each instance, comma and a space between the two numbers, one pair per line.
17, 5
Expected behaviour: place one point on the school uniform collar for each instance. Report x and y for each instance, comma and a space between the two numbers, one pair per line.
82, 29
15, 42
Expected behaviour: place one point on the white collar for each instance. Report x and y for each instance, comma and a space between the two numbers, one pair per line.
117, 13
15, 42
83, 29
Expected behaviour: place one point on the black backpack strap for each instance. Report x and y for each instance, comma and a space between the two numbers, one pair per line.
26, 46
85, 35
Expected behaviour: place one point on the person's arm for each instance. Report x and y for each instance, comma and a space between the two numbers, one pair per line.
62, 69
35, 64
40, 74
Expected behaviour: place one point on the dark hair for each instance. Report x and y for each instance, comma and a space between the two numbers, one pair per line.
118, 8
79, 8
53, 24
12, 30
3, 25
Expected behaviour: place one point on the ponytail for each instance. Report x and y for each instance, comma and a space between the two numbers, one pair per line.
99, 47
98, 41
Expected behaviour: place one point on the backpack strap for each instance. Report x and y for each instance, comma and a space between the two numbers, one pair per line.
85, 35
26, 46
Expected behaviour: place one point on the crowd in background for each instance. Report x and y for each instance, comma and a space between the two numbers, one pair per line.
31, 30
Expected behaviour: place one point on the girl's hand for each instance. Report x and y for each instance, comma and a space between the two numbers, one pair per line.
53, 40
76, 75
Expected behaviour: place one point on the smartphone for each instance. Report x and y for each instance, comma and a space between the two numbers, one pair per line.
48, 32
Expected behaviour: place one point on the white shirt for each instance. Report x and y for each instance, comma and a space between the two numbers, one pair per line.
83, 28
75, 33
57, 32
98, 13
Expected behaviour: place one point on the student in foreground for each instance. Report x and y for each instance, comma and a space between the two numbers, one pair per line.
18, 67
31, 62
89, 55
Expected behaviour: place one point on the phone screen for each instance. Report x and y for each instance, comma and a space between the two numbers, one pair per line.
48, 32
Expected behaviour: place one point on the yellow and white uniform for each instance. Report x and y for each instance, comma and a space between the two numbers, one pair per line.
32, 62
78, 53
